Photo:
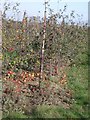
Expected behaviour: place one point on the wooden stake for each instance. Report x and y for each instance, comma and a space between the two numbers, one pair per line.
42, 50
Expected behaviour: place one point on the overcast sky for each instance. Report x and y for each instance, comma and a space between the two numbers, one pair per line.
33, 6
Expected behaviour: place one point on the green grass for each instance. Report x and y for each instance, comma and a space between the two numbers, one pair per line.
14, 115
46, 111
78, 82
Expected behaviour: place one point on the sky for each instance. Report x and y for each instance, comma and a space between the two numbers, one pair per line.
34, 6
